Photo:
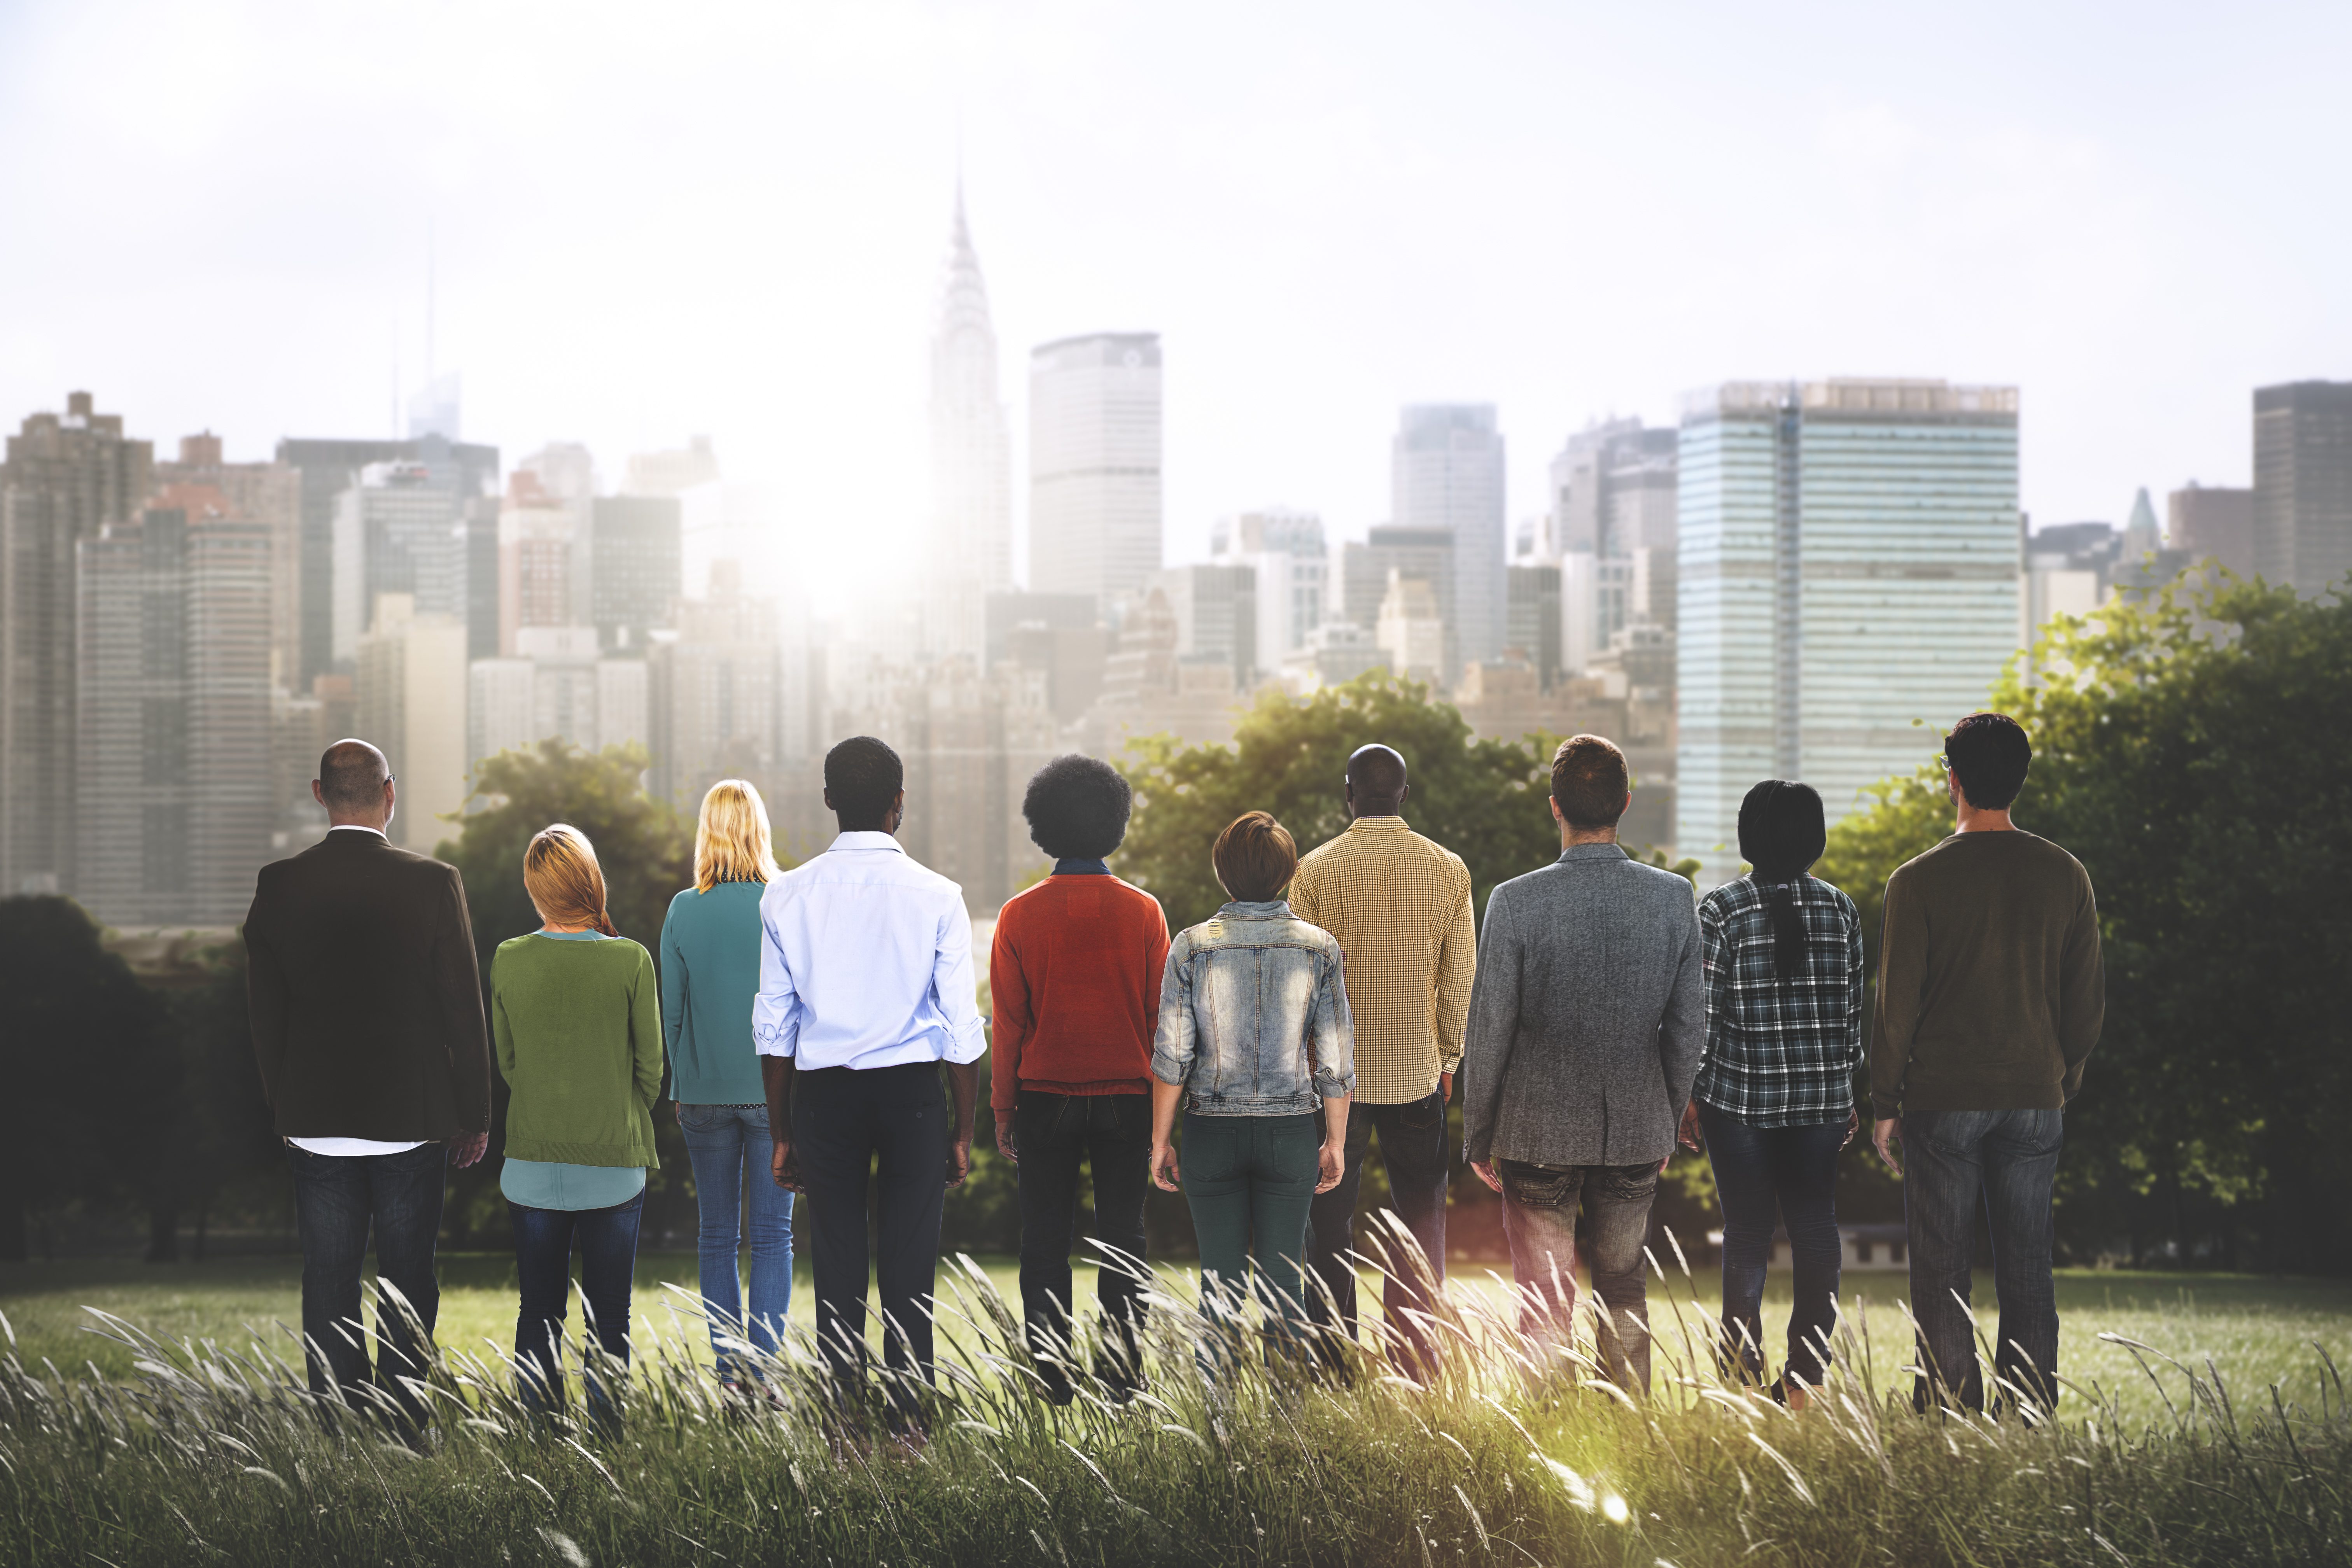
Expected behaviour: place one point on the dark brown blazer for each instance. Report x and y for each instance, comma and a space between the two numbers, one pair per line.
366, 1002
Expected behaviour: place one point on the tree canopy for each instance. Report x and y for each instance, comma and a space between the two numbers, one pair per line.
2191, 750
1481, 799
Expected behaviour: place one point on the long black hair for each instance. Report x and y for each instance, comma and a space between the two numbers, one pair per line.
1782, 831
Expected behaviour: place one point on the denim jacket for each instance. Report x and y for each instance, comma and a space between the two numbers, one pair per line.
1254, 1014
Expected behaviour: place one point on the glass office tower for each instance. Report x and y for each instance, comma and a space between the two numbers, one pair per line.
1848, 556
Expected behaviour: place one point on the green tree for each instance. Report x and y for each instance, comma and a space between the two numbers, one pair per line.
221, 1132
91, 1080
2191, 750
1481, 799
647, 850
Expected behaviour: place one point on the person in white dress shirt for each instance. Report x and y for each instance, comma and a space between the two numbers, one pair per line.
865, 990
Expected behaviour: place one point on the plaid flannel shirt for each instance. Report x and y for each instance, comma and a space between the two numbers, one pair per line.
1780, 1053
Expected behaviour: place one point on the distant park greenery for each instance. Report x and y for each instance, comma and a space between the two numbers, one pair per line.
2194, 751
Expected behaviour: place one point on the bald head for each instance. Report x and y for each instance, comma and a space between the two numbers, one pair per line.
353, 784
1376, 786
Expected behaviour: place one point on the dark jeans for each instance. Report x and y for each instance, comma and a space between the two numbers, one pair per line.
606, 1241
2006, 1161
721, 1140
843, 1118
1791, 1173
1539, 1205
1412, 1147
1248, 1180
338, 1201
1053, 1133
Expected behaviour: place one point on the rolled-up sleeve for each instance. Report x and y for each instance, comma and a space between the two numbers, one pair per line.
1171, 1042
951, 977
1333, 1031
775, 1011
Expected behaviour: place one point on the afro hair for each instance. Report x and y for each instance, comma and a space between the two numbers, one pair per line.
1076, 808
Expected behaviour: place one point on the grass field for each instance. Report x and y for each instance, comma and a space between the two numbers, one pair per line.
2228, 1442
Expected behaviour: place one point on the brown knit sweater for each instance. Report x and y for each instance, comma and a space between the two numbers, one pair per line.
1990, 985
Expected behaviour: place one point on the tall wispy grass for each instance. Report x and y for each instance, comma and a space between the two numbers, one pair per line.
1517, 1452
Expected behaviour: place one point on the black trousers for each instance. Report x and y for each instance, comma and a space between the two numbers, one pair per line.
895, 1120
339, 1200
1412, 1147
1054, 1132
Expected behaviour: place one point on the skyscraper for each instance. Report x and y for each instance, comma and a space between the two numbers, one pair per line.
400, 527
1445, 471
636, 554
410, 692
1094, 465
2213, 521
2303, 483
68, 474
269, 494
535, 566
969, 553
1287, 550
328, 468
1610, 525
1849, 584
1215, 608
173, 757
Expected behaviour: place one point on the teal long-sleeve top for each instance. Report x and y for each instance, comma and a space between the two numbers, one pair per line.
709, 974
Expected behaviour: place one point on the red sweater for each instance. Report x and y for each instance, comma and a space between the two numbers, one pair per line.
1074, 981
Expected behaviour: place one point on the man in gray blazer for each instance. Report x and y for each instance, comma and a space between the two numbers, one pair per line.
1585, 1028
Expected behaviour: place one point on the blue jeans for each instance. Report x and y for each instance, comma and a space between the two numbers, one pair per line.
338, 1201
1539, 1205
2006, 1161
721, 1140
1791, 1173
544, 1240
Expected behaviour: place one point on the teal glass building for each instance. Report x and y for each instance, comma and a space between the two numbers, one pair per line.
1849, 561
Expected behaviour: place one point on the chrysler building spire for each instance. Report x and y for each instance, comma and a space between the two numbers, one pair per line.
971, 502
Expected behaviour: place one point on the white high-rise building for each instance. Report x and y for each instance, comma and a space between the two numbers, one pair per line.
1292, 563
1094, 465
1445, 470
409, 697
969, 549
1848, 587
399, 529
556, 687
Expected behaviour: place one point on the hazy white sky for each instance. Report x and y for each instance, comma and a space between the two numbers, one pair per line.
651, 220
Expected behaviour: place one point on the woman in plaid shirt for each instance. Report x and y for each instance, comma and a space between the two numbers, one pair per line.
1774, 1099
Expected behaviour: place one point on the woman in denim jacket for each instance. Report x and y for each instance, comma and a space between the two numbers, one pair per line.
1254, 1038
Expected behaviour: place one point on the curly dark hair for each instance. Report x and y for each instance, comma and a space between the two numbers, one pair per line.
863, 775
1077, 809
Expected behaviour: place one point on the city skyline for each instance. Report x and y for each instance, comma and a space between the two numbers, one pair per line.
2073, 220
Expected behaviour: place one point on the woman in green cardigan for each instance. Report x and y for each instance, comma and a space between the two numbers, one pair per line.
577, 1016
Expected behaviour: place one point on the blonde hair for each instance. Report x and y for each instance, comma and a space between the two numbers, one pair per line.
731, 842
561, 873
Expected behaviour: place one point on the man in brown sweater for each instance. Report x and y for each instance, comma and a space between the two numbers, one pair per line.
1990, 999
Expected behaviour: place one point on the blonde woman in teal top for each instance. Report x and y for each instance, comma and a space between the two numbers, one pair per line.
710, 971
575, 1017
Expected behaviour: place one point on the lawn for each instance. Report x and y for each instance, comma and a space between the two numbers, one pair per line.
2252, 1330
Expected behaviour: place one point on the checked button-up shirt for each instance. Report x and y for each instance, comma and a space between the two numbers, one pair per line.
1400, 906
1781, 1051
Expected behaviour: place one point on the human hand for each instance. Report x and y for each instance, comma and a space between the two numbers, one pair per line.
1330, 1164
959, 1160
784, 1168
1485, 1172
1164, 1174
1883, 1134
1853, 1125
1005, 1144
468, 1148
1688, 1133
1445, 1089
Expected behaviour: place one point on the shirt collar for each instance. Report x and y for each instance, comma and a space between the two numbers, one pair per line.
865, 841
1255, 910
1081, 868
1594, 852
1376, 824
358, 827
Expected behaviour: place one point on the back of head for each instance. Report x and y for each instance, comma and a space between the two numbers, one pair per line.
1254, 857
352, 777
1783, 830
1076, 808
1376, 778
1989, 753
565, 883
732, 840
862, 777
1589, 781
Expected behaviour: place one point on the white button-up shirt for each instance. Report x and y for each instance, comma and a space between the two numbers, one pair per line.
865, 961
